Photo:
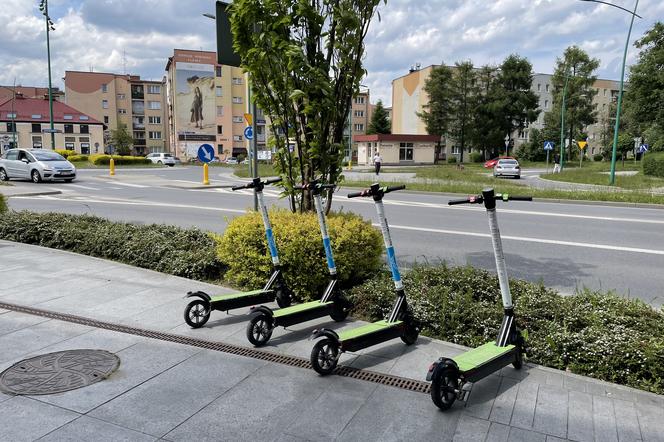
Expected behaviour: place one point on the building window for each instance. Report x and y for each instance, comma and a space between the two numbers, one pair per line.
69, 146
139, 135
35, 116
83, 129
37, 142
605, 92
539, 87
11, 127
11, 114
237, 80
237, 100
104, 104
104, 88
105, 119
154, 135
237, 137
154, 120
217, 70
359, 100
220, 111
546, 104
85, 148
122, 111
154, 89
121, 96
84, 139
237, 119
154, 105
547, 88
83, 117
359, 113
220, 129
220, 149
405, 151
218, 91
69, 128
68, 117
69, 139
604, 106
359, 127
36, 128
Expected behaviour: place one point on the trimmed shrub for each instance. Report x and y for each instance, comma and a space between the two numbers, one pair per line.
653, 165
102, 159
598, 157
190, 253
476, 157
356, 245
451, 160
73, 158
600, 335
3, 204
66, 153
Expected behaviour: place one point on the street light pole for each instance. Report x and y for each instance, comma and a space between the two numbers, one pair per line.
43, 6
612, 179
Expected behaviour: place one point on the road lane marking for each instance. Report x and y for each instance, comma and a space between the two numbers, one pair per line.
81, 186
535, 240
129, 184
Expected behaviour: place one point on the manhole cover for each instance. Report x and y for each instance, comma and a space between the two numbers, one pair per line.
58, 372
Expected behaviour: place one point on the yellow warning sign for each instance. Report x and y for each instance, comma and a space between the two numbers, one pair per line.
582, 144
249, 119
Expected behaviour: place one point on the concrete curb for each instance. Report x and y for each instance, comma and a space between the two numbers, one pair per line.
50, 192
211, 186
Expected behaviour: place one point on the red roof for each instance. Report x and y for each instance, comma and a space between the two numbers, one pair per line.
27, 108
397, 137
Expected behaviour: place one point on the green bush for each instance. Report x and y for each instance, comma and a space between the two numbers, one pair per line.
3, 204
598, 157
653, 164
356, 245
66, 153
600, 335
190, 253
101, 160
451, 160
73, 158
476, 157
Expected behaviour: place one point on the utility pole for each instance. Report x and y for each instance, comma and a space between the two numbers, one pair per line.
43, 7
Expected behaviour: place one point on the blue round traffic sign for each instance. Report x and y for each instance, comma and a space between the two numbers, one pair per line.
249, 133
206, 153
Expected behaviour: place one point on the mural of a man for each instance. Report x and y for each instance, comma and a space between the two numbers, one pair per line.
197, 108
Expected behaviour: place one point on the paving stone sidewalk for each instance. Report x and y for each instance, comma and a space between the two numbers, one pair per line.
175, 392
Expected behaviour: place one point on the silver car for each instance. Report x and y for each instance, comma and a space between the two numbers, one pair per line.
35, 165
162, 158
507, 167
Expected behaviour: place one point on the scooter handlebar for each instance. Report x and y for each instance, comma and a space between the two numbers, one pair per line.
243, 186
473, 199
519, 198
394, 188
251, 185
356, 194
311, 186
272, 180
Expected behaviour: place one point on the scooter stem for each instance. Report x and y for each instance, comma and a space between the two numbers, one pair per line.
318, 202
389, 248
268, 228
501, 269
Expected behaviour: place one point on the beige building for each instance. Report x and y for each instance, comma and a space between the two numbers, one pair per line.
24, 120
206, 105
404, 149
117, 99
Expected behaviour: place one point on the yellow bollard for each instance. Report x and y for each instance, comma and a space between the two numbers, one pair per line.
112, 166
350, 165
206, 175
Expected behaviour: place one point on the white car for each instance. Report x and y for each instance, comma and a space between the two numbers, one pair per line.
507, 167
165, 159
36, 165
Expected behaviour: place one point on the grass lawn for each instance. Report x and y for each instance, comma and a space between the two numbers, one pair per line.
598, 173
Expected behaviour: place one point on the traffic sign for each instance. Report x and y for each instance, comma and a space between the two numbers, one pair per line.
51, 131
249, 133
643, 148
248, 118
548, 145
206, 153
582, 144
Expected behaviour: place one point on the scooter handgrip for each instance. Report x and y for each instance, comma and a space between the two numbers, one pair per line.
272, 180
356, 194
519, 198
243, 186
328, 186
461, 201
394, 188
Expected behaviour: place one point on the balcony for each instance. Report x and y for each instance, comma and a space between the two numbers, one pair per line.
137, 92
139, 142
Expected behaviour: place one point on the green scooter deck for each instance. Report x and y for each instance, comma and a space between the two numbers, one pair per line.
366, 329
481, 355
299, 308
238, 295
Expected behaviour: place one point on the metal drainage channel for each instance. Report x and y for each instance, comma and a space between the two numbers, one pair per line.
293, 361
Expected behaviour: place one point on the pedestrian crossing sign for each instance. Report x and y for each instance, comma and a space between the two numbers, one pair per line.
548, 145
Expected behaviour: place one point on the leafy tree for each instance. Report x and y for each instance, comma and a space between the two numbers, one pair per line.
464, 88
305, 63
121, 140
577, 68
487, 134
515, 104
645, 95
533, 150
379, 124
437, 114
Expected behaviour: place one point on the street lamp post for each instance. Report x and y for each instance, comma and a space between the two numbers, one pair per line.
43, 7
612, 179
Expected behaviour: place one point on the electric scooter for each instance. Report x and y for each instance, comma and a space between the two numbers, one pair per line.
332, 303
197, 312
400, 324
452, 378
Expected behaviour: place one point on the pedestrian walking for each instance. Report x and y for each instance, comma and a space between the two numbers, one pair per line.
377, 160
556, 163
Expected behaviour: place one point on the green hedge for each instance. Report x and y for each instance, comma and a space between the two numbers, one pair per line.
653, 164
451, 160
598, 157
190, 253
100, 160
356, 245
476, 157
73, 158
66, 153
3, 204
599, 335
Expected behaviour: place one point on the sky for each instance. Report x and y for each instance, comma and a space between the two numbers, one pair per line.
138, 36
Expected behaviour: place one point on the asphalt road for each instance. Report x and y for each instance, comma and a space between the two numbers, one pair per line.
566, 246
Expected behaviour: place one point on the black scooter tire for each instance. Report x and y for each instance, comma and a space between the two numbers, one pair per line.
443, 379
324, 356
410, 335
283, 298
259, 330
193, 322
339, 312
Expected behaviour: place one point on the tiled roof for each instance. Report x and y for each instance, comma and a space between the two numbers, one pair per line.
36, 110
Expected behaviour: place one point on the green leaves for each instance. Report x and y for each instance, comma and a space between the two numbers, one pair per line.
380, 123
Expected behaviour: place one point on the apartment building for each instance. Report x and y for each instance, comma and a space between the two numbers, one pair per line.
23, 121
206, 105
8, 92
117, 99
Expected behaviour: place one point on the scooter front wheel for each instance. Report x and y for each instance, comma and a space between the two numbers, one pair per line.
444, 386
324, 356
283, 298
197, 313
259, 330
410, 334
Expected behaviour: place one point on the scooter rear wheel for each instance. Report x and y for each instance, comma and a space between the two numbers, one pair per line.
444, 386
197, 313
259, 330
324, 356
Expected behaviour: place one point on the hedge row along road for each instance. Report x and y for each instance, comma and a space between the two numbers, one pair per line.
567, 246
